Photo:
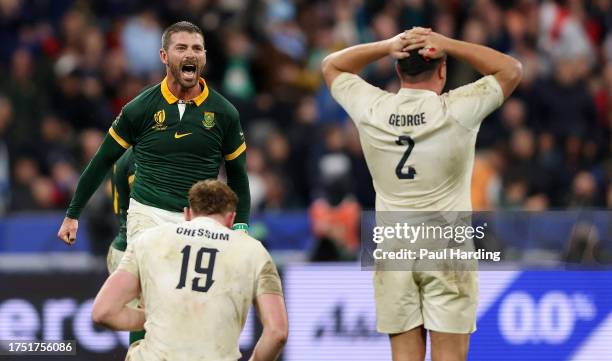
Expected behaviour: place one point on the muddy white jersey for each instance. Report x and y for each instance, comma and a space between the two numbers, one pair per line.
198, 280
419, 146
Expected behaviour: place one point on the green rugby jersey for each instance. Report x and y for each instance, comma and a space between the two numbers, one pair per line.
122, 178
173, 153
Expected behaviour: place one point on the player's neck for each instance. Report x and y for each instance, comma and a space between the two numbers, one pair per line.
217, 217
425, 85
183, 93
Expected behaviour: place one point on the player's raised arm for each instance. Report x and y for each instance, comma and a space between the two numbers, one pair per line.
273, 316
506, 70
90, 180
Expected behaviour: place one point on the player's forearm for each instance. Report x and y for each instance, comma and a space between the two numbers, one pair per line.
355, 58
126, 319
238, 181
269, 346
485, 60
94, 174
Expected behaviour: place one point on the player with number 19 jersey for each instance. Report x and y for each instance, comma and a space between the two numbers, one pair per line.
419, 146
198, 280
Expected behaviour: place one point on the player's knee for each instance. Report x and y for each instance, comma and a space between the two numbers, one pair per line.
448, 355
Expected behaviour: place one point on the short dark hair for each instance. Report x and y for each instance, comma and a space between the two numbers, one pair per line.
416, 67
212, 197
181, 26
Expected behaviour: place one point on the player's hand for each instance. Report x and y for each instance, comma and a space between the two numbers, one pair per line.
431, 44
398, 43
68, 231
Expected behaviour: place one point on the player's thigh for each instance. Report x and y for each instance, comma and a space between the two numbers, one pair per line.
409, 345
113, 259
398, 302
133, 351
138, 222
449, 300
449, 346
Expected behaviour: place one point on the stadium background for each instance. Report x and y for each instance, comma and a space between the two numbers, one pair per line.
67, 67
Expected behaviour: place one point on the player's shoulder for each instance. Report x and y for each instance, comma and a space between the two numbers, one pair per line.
246, 242
347, 82
221, 104
478, 89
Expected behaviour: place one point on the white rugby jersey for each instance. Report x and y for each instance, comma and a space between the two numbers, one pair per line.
419, 146
198, 280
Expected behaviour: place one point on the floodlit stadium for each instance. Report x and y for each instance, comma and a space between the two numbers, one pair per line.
440, 171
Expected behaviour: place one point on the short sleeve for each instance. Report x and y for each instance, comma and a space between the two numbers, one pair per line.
120, 130
129, 262
471, 103
355, 95
268, 281
233, 139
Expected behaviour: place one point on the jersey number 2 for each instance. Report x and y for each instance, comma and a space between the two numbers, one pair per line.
399, 170
199, 268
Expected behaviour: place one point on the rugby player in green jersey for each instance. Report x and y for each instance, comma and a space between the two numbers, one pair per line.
123, 177
180, 131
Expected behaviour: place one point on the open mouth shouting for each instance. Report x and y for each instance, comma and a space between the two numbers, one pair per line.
189, 72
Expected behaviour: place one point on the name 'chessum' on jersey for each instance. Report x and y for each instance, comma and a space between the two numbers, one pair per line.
201, 232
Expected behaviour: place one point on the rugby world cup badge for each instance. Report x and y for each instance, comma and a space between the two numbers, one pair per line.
160, 120
209, 120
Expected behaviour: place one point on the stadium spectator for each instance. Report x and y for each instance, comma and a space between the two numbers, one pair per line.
25, 170
140, 41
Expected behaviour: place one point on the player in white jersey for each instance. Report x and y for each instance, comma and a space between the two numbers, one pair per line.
198, 279
419, 147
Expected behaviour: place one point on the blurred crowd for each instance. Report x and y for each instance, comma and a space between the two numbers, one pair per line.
68, 66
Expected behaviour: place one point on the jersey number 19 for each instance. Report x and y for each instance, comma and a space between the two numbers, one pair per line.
199, 268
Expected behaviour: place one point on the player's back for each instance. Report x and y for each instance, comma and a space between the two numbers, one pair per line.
419, 146
198, 281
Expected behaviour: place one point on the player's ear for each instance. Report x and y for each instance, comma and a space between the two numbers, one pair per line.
163, 56
229, 219
442, 70
397, 70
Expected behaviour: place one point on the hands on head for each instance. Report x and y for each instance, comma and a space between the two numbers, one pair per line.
430, 43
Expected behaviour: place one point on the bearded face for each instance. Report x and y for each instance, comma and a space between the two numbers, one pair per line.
185, 58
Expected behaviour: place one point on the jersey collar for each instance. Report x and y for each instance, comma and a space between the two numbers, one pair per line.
204, 219
170, 98
412, 91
